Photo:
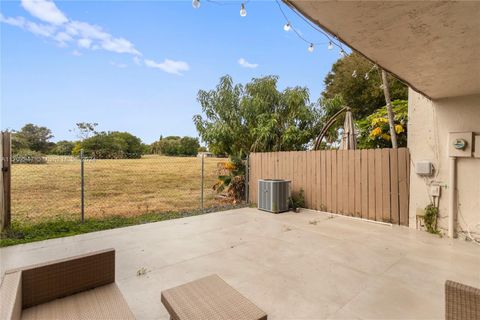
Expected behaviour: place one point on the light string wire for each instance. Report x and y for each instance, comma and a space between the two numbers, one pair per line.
313, 26
331, 38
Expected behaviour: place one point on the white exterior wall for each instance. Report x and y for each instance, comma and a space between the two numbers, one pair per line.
428, 128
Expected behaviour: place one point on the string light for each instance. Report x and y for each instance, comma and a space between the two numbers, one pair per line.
367, 76
354, 73
332, 39
243, 12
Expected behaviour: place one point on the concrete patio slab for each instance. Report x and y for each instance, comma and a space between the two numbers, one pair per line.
307, 265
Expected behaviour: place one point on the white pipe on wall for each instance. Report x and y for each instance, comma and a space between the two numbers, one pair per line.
452, 201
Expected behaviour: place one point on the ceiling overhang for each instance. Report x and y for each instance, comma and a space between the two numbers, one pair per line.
433, 46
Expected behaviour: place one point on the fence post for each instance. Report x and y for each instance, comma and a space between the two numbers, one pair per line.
82, 191
6, 153
201, 188
247, 180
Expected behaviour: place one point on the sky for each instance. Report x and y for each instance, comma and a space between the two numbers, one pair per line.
137, 66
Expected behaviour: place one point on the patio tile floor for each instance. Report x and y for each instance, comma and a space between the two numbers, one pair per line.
307, 265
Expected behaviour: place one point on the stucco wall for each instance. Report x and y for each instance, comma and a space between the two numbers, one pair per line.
428, 128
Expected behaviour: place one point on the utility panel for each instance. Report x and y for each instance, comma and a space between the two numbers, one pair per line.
424, 168
460, 144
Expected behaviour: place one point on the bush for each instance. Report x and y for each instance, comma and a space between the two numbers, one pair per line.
374, 130
27, 156
63, 148
111, 145
298, 200
176, 146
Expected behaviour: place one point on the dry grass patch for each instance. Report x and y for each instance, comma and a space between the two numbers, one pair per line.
112, 187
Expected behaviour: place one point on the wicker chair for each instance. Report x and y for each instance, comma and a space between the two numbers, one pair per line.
462, 302
80, 287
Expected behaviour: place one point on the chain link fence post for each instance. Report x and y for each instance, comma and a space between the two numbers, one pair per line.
203, 175
82, 189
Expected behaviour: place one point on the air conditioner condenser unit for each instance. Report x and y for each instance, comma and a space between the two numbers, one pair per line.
273, 195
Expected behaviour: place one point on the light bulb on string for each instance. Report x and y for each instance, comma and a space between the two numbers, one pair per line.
287, 26
330, 45
243, 12
354, 73
311, 47
342, 53
367, 76
196, 4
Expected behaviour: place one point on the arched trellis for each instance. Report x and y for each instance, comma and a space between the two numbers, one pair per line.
327, 126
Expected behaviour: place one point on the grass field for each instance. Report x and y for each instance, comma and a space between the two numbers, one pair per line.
126, 188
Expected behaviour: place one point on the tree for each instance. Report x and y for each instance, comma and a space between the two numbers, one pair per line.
32, 137
85, 129
176, 146
63, 148
374, 130
362, 95
386, 91
239, 119
111, 145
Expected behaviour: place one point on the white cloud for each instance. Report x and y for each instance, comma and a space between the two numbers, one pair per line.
86, 30
84, 43
119, 45
169, 66
45, 10
63, 38
244, 63
43, 30
17, 22
64, 31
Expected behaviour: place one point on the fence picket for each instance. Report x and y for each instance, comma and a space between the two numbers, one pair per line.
358, 188
386, 216
372, 184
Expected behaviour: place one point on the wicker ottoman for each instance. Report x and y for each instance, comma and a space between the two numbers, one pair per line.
209, 298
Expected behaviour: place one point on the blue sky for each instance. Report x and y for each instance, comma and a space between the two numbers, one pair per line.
137, 66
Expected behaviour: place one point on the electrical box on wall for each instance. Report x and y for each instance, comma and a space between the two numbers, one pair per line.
476, 148
460, 144
424, 168
435, 190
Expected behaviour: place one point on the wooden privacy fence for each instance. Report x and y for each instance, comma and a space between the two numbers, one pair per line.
371, 184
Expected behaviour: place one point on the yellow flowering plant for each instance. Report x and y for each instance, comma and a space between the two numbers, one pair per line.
374, 130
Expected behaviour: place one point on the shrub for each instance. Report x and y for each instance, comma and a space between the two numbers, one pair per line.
112, 145
232, 179
27, 156
374, 130
297, 200
63, 148
176, 146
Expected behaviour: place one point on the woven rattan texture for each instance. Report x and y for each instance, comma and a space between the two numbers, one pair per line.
11, 296
209, 298
462, 302
43, 283
105, 302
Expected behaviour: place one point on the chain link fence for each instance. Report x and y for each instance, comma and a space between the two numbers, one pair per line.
126, 187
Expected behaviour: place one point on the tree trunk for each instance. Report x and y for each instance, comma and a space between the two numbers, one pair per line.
391, 122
